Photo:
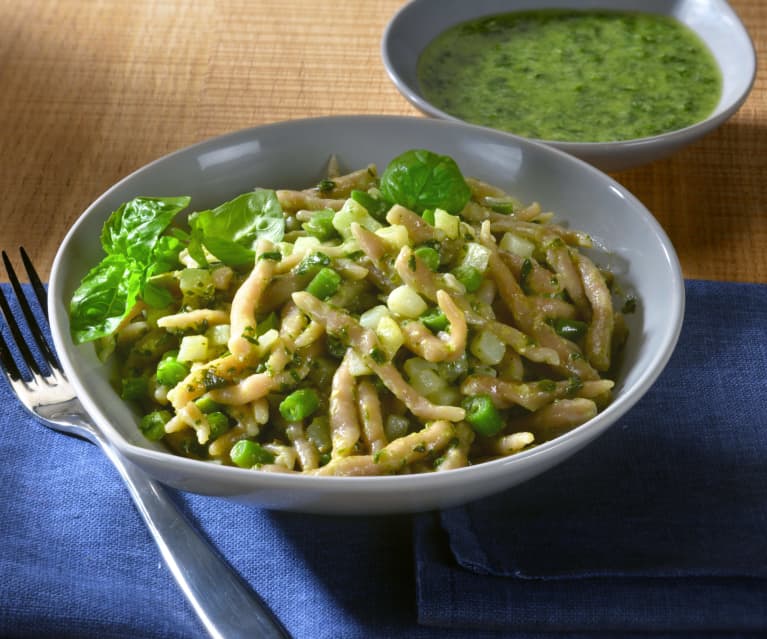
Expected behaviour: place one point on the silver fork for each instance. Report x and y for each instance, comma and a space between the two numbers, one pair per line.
225, 605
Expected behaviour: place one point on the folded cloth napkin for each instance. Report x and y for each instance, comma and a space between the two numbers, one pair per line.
658, 526
76, 560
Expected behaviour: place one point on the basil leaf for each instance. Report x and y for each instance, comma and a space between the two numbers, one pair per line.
134, 228
230, 230
156, 296
421, 179
136, 248
164, 259
104, 298
229, 252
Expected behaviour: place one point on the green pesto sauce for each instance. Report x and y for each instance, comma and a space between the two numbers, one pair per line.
585, 76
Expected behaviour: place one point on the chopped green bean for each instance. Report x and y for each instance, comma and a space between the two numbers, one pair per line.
435, 320
268, 323
469, 276
482, 415
134, 388
246, 454
170, 371
428, 256
324, 284
299, 404
219, 424
321, 225
207, 405
153, 424
312, 263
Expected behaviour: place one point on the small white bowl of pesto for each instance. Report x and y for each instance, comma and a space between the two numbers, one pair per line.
618, 84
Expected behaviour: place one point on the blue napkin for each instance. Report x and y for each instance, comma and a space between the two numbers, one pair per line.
76, 560
659, 526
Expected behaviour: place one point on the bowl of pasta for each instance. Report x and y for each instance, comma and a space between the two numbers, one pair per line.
362, 314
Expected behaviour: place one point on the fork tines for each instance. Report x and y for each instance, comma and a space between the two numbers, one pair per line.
32, 323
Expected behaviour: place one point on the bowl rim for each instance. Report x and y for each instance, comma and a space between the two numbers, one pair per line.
719, 115
246, 478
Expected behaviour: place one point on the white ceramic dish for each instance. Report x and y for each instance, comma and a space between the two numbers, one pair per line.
295, 154
418, 22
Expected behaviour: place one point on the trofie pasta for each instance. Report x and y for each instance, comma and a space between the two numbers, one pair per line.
411, 322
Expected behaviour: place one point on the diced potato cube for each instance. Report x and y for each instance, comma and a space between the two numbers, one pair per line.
218, 335
476, 256
404, 301
371, 317
389, 335
487, 348
193, 348
222, 277
395, 235
423, 376
513, 243
357, 366
305, 243
447, 396
350, 212
267, 340
447, 223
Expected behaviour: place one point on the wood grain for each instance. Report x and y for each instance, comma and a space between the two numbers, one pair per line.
91, 90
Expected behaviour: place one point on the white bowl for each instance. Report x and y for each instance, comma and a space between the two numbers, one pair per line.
420, 21
294, 154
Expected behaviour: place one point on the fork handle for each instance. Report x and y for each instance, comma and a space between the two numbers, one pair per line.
227, 607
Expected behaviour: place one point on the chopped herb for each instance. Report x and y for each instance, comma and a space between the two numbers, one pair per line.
629, 305
576, 383
275, 256
546, 386
336, 347
568, 328
355, 255
326, 186
211, 380
524, 275
378, 356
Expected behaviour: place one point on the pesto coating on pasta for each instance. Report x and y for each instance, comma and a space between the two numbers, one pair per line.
409, 322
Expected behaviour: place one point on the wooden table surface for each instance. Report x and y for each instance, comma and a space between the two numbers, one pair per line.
91, 90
